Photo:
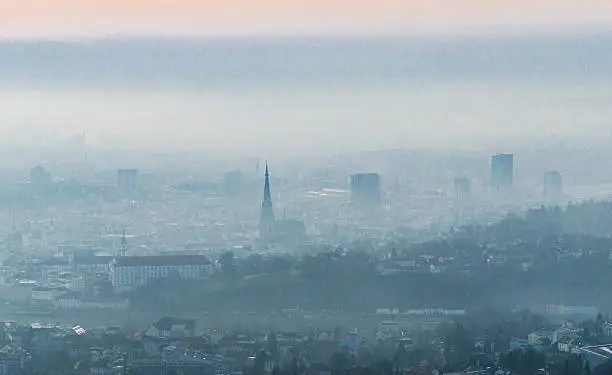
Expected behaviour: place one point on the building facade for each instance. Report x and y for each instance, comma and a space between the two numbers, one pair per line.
365, 189
130, 272
502, 172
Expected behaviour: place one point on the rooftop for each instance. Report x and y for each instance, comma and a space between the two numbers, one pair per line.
603, 351
161, 260
166, 323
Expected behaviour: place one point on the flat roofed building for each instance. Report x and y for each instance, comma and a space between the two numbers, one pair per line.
366, 189
130, 272
502, 172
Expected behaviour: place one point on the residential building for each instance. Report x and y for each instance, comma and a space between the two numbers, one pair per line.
168, 327
540, 337
570, 345
130, 272
566, 331
605, 328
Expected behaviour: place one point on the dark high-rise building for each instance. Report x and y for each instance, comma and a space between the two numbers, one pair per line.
266, 220
365, 189
462, 189
502, 172
127, 179
553, 184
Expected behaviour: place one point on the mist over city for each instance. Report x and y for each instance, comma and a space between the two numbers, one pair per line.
306, 204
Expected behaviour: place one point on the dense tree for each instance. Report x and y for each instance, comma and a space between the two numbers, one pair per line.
228, 263
401, 357
294, 369
259, 367
523, 362
272, 346
339, 362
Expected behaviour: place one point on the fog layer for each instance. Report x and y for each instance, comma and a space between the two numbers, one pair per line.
307, 94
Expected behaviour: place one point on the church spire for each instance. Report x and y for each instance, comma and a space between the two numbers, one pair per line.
267, 198
266, 221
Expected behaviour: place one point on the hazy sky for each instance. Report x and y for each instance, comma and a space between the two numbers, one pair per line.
255, 95
264, 96
57, 18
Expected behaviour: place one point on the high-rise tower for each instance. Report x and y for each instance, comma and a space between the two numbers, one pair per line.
266, 221
502, 172
365, 190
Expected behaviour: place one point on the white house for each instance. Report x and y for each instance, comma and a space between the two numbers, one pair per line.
566, 331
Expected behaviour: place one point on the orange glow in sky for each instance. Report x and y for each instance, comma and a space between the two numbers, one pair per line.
41, 18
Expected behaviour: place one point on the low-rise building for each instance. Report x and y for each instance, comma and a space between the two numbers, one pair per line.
47, 294
543, 336
518, 344
168, 327
566, 331
75, 301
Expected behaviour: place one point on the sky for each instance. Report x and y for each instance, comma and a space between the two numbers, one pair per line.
308, 94
86, 18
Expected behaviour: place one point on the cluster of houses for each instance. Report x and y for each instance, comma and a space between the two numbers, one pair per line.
590, 342
165, 346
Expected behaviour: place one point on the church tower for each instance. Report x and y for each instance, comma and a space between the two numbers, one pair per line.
266, 221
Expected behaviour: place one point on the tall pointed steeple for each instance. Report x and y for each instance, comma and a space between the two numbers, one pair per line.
266, 221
